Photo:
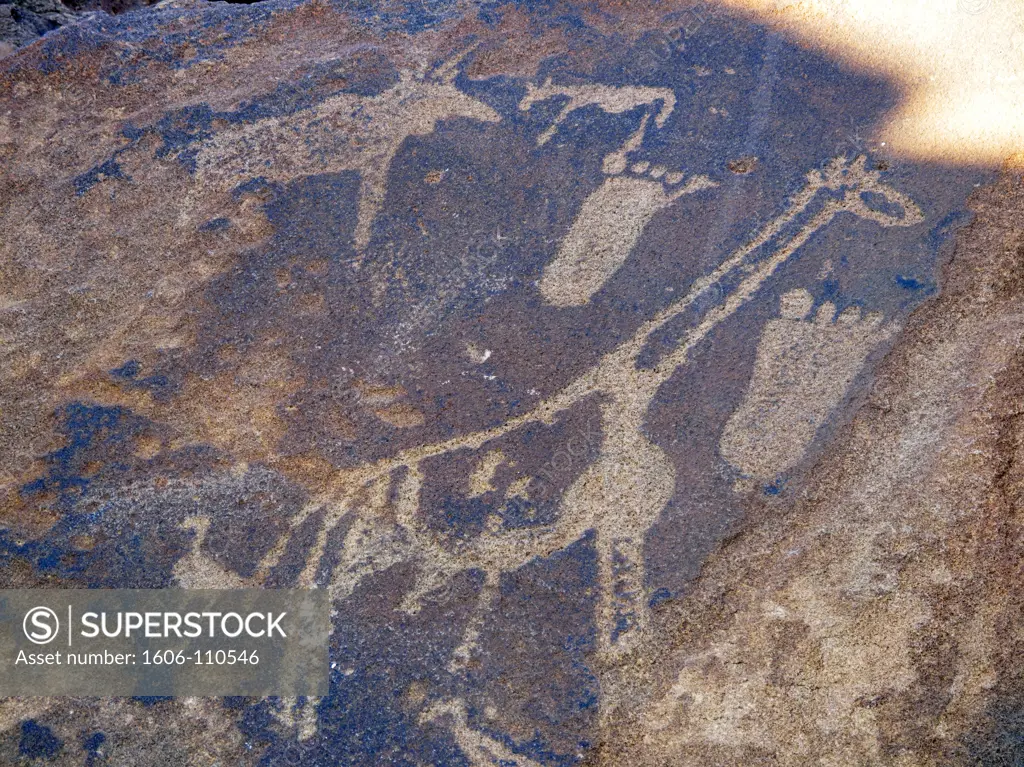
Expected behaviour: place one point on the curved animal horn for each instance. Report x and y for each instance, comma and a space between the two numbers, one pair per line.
447, 70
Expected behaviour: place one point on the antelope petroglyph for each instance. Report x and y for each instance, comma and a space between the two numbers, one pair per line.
344, 132
614, 99
364, 133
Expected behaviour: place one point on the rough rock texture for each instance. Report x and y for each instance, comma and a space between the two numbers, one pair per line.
23, 22
877, 619
635, 405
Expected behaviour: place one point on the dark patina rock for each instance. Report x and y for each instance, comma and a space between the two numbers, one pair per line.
502, 321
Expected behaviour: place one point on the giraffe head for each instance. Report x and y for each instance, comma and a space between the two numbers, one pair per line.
865, 194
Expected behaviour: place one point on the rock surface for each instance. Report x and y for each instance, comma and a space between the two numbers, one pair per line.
636, 406
23, 22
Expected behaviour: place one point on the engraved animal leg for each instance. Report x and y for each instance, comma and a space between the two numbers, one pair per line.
626, 617
372, 189
488, 596
621, 494
481, 750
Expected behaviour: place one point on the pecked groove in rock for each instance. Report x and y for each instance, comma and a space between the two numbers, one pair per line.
504, 323
875, 619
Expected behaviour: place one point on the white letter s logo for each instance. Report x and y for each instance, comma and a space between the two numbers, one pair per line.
44, 623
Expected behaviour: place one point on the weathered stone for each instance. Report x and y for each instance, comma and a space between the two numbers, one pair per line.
594, 357
24, 21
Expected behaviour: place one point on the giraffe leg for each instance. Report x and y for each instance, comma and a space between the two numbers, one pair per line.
371, 200
606, 617
630, 591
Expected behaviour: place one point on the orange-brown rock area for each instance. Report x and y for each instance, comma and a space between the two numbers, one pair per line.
636, 401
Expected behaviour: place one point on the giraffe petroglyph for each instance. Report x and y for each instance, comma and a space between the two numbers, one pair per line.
619, 495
